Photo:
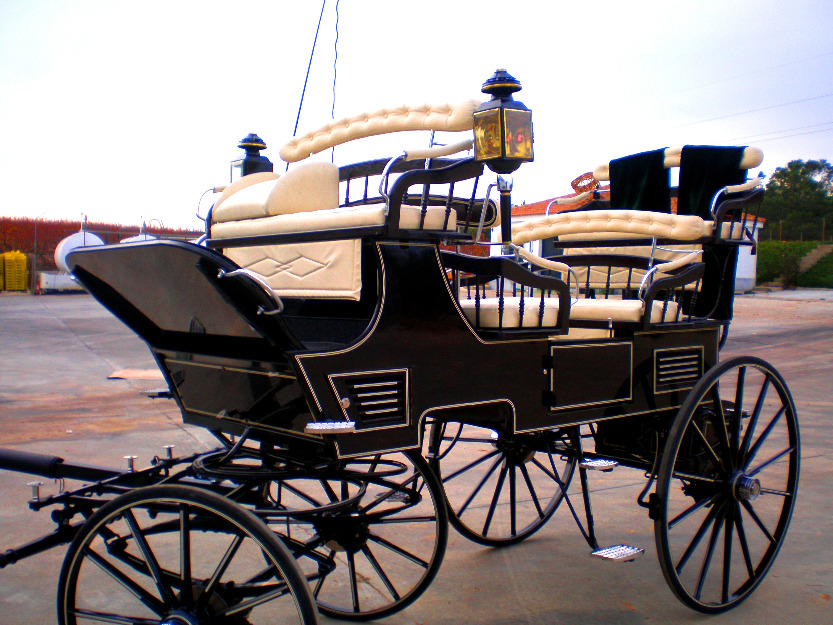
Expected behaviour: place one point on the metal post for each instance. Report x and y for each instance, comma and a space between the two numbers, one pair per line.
35, 261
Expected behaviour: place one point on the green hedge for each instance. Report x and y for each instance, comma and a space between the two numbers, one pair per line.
819, 275
781, 258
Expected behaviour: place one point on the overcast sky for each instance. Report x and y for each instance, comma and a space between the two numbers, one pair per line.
128, 110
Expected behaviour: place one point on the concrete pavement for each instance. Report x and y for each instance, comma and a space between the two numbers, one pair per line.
56, 353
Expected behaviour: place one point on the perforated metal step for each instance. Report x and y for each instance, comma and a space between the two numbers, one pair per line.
618, 553
598, 464
330, 427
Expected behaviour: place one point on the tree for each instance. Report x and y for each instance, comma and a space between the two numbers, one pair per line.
798, 197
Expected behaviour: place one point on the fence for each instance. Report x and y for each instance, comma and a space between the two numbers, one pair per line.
805, 230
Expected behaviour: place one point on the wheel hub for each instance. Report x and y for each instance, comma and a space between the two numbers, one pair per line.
514, 451
180, 618
344, 532
746, 488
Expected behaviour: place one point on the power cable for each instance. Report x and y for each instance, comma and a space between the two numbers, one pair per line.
746, 74
309, 66
775, 132
798, 134
763, 108
335, 75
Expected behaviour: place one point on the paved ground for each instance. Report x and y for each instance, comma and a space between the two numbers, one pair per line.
57, 351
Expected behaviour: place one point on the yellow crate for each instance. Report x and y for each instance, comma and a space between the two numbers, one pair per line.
16, 276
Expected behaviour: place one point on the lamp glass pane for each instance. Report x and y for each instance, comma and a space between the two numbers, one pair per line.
487, 135
518, 134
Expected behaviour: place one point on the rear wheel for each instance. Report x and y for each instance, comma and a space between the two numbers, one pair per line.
727, 484
502, 488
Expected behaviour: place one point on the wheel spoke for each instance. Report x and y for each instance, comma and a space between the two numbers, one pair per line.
691, 477
695, 541
398, 550
691, 510
728, 534
266, 594
738, 414
380, 572
774, 459
354, 582
154, 604
471, 465
228, 556
758, 521
301, 494
531, 488
753, 420
744, 544
718, 462
719, 423
319, 584
164, 590
495, 496
707, 561
186, 592
479, 486
764, 435
552, 474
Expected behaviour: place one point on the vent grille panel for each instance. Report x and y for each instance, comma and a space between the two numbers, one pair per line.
373, 399
676, 369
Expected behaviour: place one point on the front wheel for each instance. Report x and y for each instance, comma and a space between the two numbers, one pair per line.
179, 555
727, 484
369, 534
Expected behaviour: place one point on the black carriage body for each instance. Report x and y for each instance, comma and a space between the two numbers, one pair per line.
230, 368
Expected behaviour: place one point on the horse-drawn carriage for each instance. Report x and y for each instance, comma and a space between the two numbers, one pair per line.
368, 382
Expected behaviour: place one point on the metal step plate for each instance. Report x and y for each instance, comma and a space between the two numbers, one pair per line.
330, 427
618, 553
598, 464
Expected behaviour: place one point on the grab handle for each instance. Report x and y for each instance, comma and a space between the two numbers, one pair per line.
257, 279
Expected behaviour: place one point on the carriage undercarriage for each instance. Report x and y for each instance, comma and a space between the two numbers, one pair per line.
432, 388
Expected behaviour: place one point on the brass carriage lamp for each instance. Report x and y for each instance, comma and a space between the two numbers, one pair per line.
502, 126
503, 137
253, 162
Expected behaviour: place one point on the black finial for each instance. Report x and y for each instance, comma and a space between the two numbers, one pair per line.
501, 85
253, 162
252, 143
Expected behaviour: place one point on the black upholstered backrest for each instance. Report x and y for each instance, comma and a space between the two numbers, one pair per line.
704, 170
640, 182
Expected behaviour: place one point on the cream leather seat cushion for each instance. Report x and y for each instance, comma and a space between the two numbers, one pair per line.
310, 187
332, 219
305, 199
582, 310
620, 222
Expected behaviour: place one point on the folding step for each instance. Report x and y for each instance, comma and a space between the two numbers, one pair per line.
330, 427
598, 464
618, 553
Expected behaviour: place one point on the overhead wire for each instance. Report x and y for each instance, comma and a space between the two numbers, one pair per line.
761, 136
335, 75
309, 66
755, 110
